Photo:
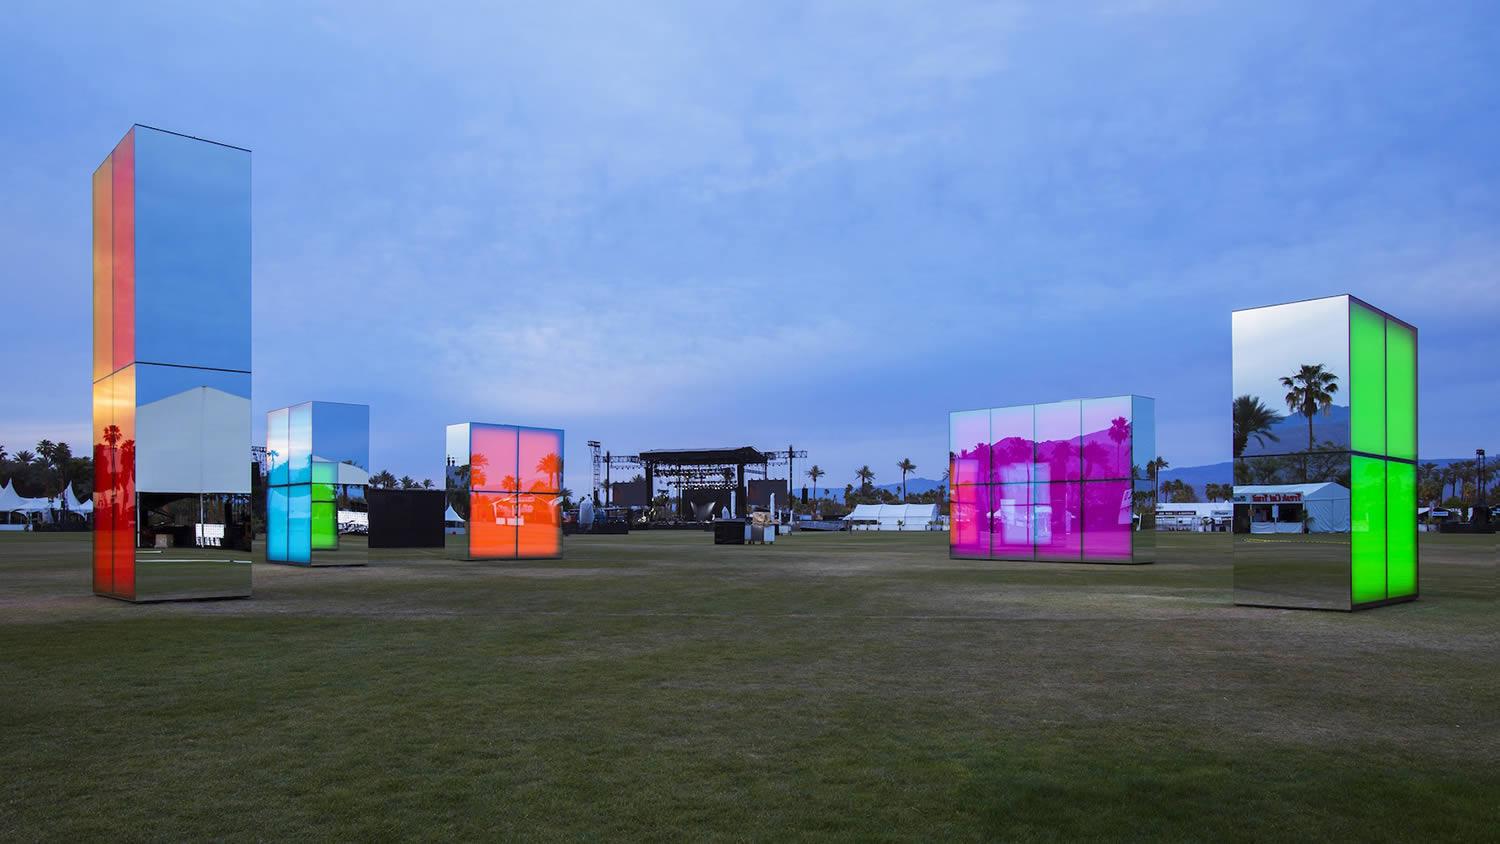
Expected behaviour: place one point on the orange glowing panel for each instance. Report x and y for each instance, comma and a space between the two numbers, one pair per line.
121, 443
540, 460
492, 458
104, 521
122, 198
492, 524
539, 527
103, 272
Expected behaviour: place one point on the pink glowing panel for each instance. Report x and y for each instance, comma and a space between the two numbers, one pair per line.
969, 536
1010, 522
1059, 426
969, 446
1012, 444
1106, 521
1106, 439
1058, 521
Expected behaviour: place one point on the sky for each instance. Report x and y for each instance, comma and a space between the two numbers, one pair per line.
687, 224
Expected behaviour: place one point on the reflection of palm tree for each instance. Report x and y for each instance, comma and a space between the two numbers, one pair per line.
1119, 431
551, 465
1252, 419
1310, 391
111, 436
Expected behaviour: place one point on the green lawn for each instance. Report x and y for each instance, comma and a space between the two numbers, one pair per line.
827, 686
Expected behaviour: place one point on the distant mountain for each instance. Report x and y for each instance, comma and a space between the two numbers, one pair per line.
914, 486
1291, 431
1199, 476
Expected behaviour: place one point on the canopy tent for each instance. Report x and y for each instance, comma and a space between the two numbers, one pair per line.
1281, 508
893, 517
451, 516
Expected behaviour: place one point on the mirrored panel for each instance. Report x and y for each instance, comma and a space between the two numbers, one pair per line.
1292, 540
1059, 437
192, 251
1291, 377
493, 458
1107, 521
969, 536
540, 460
968, 447
1058, 521
193, 546
538, 526
1107, 430
1144, 513
1012, 444
1010, 522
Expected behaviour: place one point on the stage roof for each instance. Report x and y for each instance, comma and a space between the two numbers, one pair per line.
704, 456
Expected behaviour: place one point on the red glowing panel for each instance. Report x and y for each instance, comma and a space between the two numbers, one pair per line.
492, 458
539, 532
104, 521
103, 272
121, 444
540, 461
492, 525
122, 182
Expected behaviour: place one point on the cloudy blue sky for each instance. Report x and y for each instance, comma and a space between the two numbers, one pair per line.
710, 223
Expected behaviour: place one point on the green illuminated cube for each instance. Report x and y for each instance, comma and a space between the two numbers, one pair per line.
1325, 447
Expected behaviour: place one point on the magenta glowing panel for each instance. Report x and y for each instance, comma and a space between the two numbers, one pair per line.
1058, 482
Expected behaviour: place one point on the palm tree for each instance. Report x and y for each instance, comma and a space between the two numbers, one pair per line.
905, 466
1310, 391
1153, 471
815, 472
427, 483
1252, 419
865, 476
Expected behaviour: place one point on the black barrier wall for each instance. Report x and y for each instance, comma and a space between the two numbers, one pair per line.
406, 518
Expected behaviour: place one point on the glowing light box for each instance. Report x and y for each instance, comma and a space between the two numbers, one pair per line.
1325, 448
171, 369
1057, 482
317, 469
505, 483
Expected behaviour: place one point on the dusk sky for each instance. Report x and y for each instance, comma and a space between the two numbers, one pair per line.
692, 224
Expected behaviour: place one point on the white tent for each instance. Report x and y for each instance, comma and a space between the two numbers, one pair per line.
1195, 516
1279, 508
451, 516
893, 517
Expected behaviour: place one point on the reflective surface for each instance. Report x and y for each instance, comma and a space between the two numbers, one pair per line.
505, 481
192, 251
1324, 517
316, 510
171, 443
1059, 481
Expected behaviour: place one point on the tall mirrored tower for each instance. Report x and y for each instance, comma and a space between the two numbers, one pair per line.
171, 369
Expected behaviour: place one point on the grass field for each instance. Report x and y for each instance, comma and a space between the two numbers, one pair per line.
827, 686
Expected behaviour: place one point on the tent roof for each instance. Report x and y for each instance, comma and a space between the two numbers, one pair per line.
1325, 490
894, 511
451, 516
704, 456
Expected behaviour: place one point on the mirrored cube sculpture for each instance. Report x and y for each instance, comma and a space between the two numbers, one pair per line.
1057, 482
171, 369
504, 482
317, 471
1325, 448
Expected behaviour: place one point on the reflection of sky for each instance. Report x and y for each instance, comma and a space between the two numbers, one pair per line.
341, 433
1171, 167
1271, 343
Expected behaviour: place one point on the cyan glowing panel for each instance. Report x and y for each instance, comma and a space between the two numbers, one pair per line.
1059, 482
1325, 492
506, 482
324, 477
278, 509
172, 475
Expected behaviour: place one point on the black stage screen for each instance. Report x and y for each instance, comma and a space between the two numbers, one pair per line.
406, 518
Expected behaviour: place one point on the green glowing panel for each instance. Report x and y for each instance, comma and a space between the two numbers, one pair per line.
325, 529
1401, 390
325, 473
1367, 522
1401, 529
323, 492
1366, 380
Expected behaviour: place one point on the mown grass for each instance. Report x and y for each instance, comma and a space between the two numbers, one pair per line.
657, 686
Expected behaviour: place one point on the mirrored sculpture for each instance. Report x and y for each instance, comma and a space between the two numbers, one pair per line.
505, 483
171, 369
1057, 482
317, 469
1325, 448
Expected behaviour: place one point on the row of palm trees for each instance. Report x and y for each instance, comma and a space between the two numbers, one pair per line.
47, 471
